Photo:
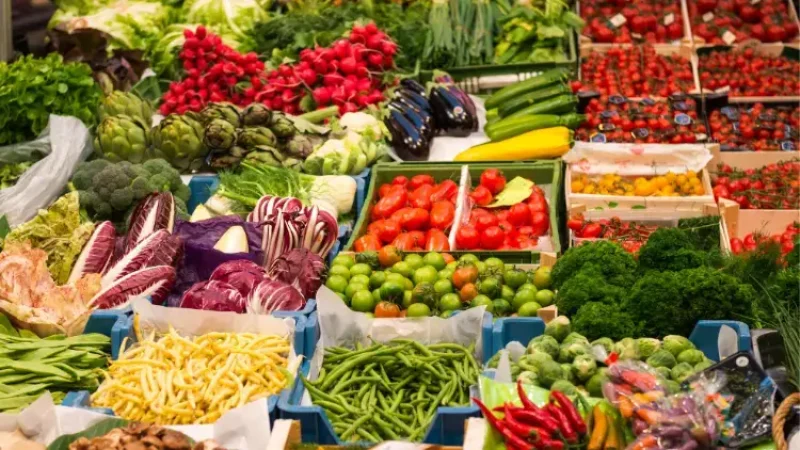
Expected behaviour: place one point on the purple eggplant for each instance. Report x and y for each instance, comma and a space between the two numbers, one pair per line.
414, 117
451, 115
412, 85
420, 100
408, 142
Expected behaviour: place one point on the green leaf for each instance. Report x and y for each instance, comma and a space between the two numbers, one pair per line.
638, 207
516, 190
96, 430
5, 228
613, 204
62, 88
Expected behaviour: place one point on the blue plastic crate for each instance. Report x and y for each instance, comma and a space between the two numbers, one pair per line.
510, 329
311, 306
447, 427
111, 323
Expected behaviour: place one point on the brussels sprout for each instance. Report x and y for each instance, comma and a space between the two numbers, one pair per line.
535, 360
574, 337
703, 365
647, 346
606, 343
661, 358
544, 343
676, 344
626, 349
672, 387
549, 373
584, 366
564, 386
569, 373
663, 372
691, 356
529, 377
681, 372
595, 384
568, 352
558, 328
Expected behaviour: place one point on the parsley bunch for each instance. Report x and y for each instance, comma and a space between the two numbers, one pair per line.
33, 88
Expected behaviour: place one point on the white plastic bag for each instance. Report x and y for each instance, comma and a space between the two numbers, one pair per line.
70, 143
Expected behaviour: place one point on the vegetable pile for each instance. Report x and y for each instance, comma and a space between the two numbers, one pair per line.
773, 186
668, 185
207, 376
536, 32
629, 234
435, 284
727, 22
756, 128
751, 240
391, 391
625, 22
746, 73
153, 437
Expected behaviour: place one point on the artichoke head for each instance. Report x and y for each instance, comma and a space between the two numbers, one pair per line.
179, 140
219, 135
264, 154
282, 126
256, 115
225, 111
301, 145
293, 164
122, 138
224, 161
251, 137
126, 103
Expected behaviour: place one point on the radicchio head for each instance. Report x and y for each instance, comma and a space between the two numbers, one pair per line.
300, 268
273, 295
215, 296
242, 274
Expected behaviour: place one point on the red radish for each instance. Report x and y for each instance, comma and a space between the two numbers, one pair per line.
371, 28
389, 48
308, 76
322, 95
375, 59
332, 79
363, 85
321, 67
348, 65
374, 42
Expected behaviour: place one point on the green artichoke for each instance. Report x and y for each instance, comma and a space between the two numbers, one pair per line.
219, 135
256, 115
225, 111
126, 103
179, 140
252, 137
224, 161
293, 164
282, 126
122, 138
302, 145
264, 154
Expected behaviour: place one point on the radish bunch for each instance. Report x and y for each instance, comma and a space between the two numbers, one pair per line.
213, 71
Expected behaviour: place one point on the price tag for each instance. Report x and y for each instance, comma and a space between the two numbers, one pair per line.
668, 19
618, 20
648, 101
608, 114
598, 137
700, 136
708, 17
606, 127
729, 112
728, 37
755, 2
681, 106
682, 119
723, 89
616, 99
640, 133
636, 36
787, 146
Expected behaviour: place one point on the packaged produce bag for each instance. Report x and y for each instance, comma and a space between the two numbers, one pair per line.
595, 158
67, 142
244, 428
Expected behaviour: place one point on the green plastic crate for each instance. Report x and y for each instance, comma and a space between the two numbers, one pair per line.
540, 172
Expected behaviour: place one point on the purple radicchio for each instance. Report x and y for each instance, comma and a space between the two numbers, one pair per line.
154, 282
300, 268
242, 274
155, 212
96, 254
273, 295
215, 296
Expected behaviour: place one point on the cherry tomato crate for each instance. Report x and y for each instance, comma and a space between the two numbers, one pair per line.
125, 329
447, 427
767, 222
727, 36
617, 19
545, 173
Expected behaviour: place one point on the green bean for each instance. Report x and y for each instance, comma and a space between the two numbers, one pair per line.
367, 435
354, 427
330, 406
340, 386
384, 427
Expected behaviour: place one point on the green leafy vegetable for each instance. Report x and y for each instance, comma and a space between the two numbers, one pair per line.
10, 173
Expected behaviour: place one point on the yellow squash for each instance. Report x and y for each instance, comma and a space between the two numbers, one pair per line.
538, 144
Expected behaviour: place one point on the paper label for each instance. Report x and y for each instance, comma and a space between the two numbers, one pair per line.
723, 89
708, 17
728, 37
618, 20
636, 36
755, 2
668, 19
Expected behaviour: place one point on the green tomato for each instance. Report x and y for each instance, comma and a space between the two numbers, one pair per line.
342, 271
376, 295
529, 309
545, 297
343, 260
501, 307
489, 287
414, 261
352, 288
377, 279
481, 266
452, 266
522, 297
446, 274
408, 299
527, 286
425, 274
362, 301
469, 257
541, 278
435, 259
496, 263
446, 314
418, 310
449, 302
391, 291
482, 300
515, 278
403, 268
360, 279
395, 277
369, 315
336, 283
408, 284
506, 293
442, 287
361, 269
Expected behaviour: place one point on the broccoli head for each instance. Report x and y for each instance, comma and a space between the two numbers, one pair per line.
605, 258
671, 249
596, 320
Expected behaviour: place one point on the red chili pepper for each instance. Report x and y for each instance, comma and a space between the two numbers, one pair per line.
536, 418
563, 423
512, 439
520, 429
552, 444
570, 411
526, 402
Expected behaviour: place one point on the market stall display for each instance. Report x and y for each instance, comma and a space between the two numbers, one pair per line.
756, 128
748, 72
638, 21
729, 22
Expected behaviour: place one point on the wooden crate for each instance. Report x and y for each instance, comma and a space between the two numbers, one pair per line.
748, 160
740, 222
685, 40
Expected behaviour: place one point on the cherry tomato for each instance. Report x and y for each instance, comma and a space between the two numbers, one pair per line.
400, 180
367, 243
436, 241
420, 180
387, 310
467, 237
415, 219
592, 230
481, 195
492, 238
485, 221
575, 224
493, 180
421, 197
519, 214
540, 222
389, 205
737, 246
721, 191
442, 214
446, 190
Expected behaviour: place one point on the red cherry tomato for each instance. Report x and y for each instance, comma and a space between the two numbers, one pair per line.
519, 214
540, 222
467, 237
400, 180
481, 195
442, 214
575, 224
591, 230
493, 180
485, 221
737, 246
436, 241
446, 190
492, 238
420, 180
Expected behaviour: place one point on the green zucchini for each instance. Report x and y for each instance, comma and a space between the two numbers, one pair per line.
515, 104
523, 124
557, 105
509, 92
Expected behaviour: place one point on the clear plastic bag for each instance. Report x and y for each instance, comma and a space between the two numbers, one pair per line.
66, 141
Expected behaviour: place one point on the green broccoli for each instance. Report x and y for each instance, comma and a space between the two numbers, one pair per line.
121, 199
603, 257
671, 249
585, 287
596, 320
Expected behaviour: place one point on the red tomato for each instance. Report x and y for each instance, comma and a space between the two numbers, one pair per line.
436, 241
506, 226
418, 237
389, 205
446, 190
481, 195
384, 190
375, 226
591, 230
485, 221
537, 203
420, 180
416, 219
721, 191
519, 214
367, 243
502, 215
527, 230
404, 242
787, 247
400, 215
540, 222
388, 231
493, 180
442, 214
575, 224
736, 246
421, 197
400, 180
492, 238
467, 237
